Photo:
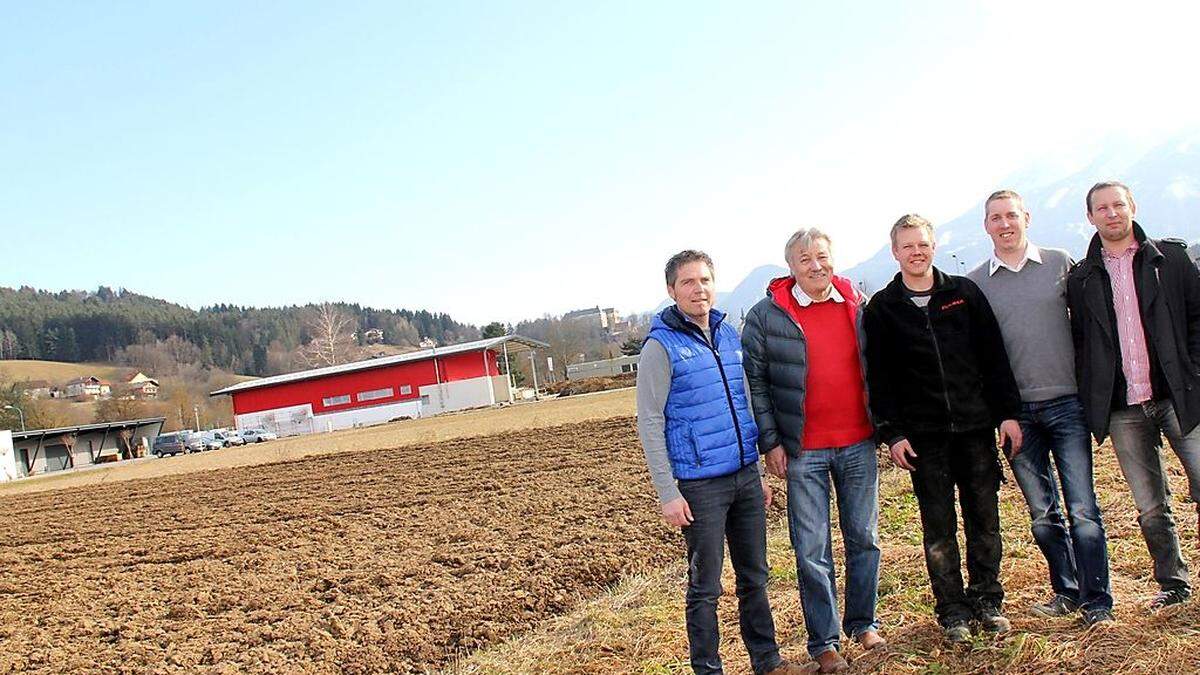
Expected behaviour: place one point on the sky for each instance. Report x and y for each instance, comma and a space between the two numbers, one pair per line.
501, 161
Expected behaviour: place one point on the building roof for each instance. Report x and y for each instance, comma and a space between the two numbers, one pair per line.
600, 363
84, 380
370, 364
580, 313
34, 433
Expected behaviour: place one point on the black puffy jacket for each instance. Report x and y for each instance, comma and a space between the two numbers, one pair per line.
941, 371
1168, 291
775, 358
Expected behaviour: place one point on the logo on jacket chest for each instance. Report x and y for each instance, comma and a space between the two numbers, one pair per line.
691, 353
952, 304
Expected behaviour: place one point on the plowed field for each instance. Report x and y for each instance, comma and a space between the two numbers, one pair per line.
383, 560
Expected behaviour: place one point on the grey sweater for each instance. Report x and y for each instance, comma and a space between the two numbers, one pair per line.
653, 386
1031, 307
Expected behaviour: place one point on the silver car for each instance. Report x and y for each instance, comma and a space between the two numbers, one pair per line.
227, 438
258, 435
203, 441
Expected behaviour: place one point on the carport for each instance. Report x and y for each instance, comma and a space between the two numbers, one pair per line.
45, 450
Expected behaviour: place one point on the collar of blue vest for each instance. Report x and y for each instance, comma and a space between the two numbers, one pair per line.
674, 319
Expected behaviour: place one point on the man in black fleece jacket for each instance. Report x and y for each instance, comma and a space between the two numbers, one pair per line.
940, 385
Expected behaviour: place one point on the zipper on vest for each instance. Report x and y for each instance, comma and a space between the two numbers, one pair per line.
937, 351
737, 427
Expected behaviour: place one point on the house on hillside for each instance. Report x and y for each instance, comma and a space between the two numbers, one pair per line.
373, 336
88, 388
35, 389
139, 386
606, 318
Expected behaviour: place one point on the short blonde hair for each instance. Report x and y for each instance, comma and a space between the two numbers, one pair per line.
804, 237
908, 222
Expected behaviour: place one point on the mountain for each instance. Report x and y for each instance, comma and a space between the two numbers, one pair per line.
1165, 181
743, 296
749, 291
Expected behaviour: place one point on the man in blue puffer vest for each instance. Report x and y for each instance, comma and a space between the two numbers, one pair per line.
699, 437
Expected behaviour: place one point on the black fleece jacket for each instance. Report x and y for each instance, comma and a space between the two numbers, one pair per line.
941, 371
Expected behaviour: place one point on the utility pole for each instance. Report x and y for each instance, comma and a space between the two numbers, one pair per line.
533, 367
196, 411
508, 371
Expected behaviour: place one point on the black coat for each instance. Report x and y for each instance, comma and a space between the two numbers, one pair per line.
1168, 293
941, 371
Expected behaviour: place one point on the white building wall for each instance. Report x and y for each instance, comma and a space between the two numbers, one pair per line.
459, 395
361, 417
500, 387
8, 458
290, 421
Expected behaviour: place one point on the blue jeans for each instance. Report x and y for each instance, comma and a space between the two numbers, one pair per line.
1137, 433
1078, 558
855, 473
728, 508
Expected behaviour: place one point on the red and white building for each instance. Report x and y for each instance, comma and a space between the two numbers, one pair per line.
417, 384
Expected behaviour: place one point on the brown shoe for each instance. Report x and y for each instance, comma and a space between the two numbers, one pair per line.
831, 662
788, 668
871, 640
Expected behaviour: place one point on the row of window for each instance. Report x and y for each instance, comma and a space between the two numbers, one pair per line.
363, 396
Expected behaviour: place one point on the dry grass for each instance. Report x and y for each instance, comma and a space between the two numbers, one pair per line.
56, 372
532, 415
638, 626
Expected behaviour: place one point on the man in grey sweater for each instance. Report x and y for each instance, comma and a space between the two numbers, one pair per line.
1026, 287
699, 436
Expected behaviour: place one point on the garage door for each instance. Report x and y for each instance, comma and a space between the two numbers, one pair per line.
57, 458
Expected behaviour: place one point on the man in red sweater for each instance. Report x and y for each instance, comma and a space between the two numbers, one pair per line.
803, 356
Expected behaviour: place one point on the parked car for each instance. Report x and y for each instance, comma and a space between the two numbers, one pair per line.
258, 435
228, 438
170, 444
203, 441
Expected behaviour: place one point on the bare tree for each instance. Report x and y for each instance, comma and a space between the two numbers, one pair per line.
332, 340
119, 409
47, 413
568, 340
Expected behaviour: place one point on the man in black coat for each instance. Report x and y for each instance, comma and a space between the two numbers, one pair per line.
1135, 319
940, 385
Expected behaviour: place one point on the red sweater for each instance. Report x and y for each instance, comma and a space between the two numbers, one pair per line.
835, 399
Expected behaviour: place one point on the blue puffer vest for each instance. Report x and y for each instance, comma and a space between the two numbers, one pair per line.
710, 430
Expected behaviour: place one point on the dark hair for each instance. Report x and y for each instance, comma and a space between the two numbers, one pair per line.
682, 258
1107, 184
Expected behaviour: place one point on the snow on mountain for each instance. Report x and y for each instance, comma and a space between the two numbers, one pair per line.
1165, 181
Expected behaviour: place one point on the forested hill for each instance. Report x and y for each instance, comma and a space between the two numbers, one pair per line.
103, 325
